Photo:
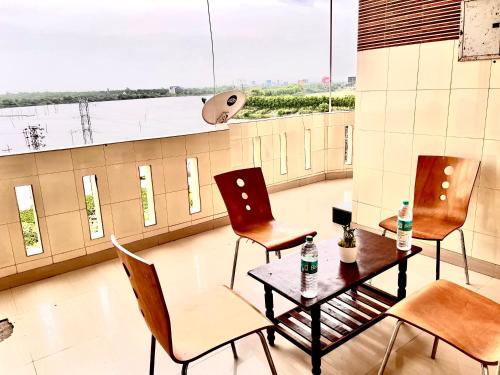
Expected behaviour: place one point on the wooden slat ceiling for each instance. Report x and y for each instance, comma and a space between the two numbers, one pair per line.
385, 23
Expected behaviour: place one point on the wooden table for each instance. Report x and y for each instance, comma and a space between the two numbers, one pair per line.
345, 305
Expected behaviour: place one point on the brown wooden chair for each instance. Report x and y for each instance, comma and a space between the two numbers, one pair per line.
219, 318
247, 201
462, 318
443, 187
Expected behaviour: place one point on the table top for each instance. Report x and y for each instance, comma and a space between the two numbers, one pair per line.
376, 254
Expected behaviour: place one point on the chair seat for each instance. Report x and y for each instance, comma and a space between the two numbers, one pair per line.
216, 318
275, 236
462, 318
424, 227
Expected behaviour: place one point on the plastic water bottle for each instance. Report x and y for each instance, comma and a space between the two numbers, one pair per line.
309, 269
405, 223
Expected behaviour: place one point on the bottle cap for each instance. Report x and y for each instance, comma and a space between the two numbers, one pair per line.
406, 202
309, 238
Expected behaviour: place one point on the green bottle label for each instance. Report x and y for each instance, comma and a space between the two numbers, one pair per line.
405, 225
309, 266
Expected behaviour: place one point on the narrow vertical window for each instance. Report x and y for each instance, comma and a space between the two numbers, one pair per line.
257, 154
283, 161
193, 185
348, 145
29, 220
147, 195
307, 148
93, 206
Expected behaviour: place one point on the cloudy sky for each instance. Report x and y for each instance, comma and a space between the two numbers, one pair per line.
55, 45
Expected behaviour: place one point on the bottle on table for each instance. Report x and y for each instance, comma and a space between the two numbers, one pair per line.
405, 223
309, 269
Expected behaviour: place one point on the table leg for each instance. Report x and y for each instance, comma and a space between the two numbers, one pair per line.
268, 297
402, 279
316, 339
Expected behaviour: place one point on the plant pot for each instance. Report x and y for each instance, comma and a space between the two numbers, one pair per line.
348, 254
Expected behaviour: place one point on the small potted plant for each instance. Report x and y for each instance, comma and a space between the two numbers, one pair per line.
347, 245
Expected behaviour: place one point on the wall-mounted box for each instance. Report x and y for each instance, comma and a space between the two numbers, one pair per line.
479, 30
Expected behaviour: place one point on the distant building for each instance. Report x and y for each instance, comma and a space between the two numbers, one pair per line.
302, 82
269, 82
351, 81
174, 90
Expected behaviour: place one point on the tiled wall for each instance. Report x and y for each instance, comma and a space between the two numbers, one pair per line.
56, 178
418, 99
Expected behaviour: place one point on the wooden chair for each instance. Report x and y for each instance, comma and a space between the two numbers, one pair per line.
245, 194
443, 187
219, 318
462, 318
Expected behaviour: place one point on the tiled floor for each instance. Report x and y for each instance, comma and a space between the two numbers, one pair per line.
87, 322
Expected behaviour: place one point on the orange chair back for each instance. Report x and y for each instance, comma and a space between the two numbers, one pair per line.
245, 194
147, 290
443, 187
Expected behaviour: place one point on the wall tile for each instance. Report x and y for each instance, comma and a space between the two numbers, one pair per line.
369, 149
65, 232
453, 242
395, 188
30, 265
161, 214
431, 114
207, 208
335, 159
119, 153
148, 149
247, 152
490, 165
495, 75
204, 168
372, 69
88, 157
317, 139
234, 131
398, 152
219, 163
492, 130
17, 242
236, 151
369, 183
59, 192
249, 129
102, 184
173, 146
368, 215
486, 247
157, 175
488, 212
174, 169
7, 271
371, 115
197, 143
6, 254
264, 128
403, 67
336, 136
268, 171
435, 65
266, 144
218, 202
219, 140
467, 113
400, 110
123, 180
127, 218
17, 166
464, 147
317, 162
427, 145
53, 161
69, 255
178, 207
470, 74
9, 212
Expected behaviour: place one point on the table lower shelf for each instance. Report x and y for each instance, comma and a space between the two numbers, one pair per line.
342, 318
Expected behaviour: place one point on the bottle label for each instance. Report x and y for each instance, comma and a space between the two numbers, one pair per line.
309, 266
405, 225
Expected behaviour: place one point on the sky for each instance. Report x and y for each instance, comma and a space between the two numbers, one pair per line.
76, 45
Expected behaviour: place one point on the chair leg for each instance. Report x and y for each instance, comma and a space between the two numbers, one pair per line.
278, 253
267, 256
484, 369
268, 353
233, 348
389, 347
236, 248
152, 356
464, 254
434, 347
498, 368
185, 368
383, 233
438, 258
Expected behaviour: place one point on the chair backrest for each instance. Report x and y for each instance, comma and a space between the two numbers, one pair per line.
443, 187
147, 290
245, 195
